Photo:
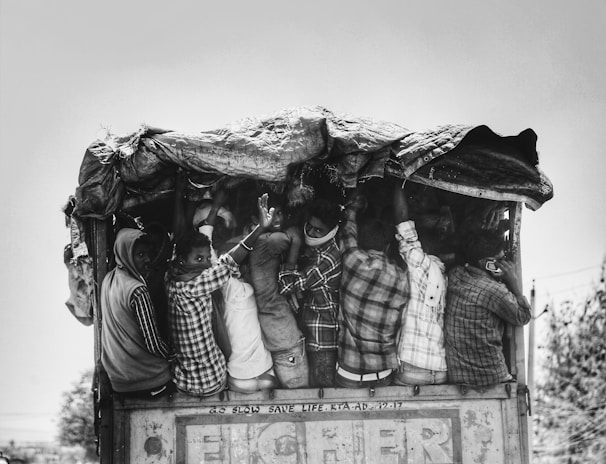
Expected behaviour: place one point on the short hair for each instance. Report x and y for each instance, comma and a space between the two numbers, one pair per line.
326, 211
191, 240
482, 244
373, 235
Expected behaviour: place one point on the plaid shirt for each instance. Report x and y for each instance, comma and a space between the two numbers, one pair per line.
477, 307
421, 338
200, 368
319, 283
374, 292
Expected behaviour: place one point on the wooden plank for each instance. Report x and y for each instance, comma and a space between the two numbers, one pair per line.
328, 395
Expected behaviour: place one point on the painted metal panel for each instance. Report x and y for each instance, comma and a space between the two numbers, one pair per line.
386, 432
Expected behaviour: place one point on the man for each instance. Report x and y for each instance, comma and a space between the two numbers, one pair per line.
133, 354
374, 291
482, 296
318, 281
421, 339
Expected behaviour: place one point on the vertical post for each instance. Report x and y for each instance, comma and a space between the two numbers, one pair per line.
531, 341
517, 351
531, 350
103, 400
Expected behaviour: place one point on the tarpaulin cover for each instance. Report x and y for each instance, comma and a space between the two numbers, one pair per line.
465, 159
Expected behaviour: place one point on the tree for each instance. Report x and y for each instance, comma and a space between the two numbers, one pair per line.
570, 417
76, 421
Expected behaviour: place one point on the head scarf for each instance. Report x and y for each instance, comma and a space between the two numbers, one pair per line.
123, 251
181, 272
315, 242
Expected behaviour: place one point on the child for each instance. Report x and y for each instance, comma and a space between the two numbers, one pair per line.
281, 334
200, 368
249, 365
134, 354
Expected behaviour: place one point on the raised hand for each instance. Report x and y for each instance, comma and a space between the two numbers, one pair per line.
266, 214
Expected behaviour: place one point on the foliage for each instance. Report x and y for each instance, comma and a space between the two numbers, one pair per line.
570, 417
76, 421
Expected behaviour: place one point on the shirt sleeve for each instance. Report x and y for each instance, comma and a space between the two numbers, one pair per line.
293, 280
349, 231
508, 308
141, 303
409, 246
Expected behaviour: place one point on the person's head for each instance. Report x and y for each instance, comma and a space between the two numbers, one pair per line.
194, 250
143, 254
277, 222
279, 218
373, 235
482, 246
323, 216
133, 251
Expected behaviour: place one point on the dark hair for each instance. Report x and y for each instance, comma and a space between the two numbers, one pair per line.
482, 244
191, 240
326, 211
274, 200
373, 235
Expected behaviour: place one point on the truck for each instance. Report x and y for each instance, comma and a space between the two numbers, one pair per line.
454, 174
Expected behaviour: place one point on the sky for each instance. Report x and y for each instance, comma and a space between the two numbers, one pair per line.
72, 69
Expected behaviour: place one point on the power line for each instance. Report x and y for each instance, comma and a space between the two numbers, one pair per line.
576, 271
566, 290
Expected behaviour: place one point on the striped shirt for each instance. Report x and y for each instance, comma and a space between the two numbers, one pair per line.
477, 308
319, 283
200, 368
141, 304
374, 292
421, 338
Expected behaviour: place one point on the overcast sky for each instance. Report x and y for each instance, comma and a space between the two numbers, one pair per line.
70, 69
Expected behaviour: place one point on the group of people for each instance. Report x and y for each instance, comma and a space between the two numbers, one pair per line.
322, 305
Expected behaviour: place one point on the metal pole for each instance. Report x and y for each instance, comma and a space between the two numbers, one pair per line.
530, 376
531, 342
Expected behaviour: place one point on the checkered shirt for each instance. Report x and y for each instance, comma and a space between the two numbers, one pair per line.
477, 308
374, 292
421, 337
319, 283
200, 367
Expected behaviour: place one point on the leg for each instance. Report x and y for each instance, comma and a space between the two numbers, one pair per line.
291, 366
322, 368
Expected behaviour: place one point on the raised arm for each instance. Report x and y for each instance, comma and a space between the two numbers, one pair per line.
180, 226
296, 240
218, 201
349, 231
266, 216
400, 205
511, 280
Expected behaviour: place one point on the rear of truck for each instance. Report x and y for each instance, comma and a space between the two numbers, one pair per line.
457, 173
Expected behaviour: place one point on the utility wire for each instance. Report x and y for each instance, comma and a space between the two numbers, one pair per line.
565, 290
577, 271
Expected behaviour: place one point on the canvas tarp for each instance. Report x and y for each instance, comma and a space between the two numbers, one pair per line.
465, 159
